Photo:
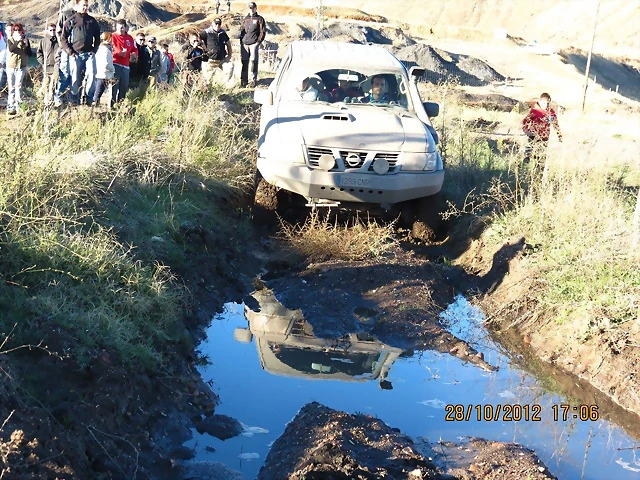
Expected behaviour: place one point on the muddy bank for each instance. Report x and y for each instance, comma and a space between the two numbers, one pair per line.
607, 359
323, 443
103, 420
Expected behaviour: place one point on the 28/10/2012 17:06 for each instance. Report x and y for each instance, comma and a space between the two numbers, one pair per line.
517, 413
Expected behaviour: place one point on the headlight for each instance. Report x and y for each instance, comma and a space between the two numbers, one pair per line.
420, 161
283, 152
414, 161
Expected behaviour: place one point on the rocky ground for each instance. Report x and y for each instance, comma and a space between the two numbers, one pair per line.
322, 443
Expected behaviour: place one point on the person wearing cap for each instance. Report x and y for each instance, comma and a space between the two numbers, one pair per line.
252, 34
217, 46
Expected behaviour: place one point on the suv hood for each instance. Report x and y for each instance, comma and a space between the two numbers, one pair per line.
363, 127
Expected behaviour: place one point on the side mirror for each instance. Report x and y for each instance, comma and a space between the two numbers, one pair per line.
242, 335
432, 109
417, 71
263, 96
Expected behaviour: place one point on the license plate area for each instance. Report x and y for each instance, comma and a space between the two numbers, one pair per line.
353, 181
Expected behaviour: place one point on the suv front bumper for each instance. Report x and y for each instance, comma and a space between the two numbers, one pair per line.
351, 186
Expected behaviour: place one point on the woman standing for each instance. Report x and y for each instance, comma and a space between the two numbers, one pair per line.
19, 50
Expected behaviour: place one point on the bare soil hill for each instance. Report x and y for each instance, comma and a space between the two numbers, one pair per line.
564, 23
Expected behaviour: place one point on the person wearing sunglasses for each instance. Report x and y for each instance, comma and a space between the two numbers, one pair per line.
47, 55
141, 64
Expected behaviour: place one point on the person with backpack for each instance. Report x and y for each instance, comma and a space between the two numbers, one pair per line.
64, 67
48, 57
19, 51
252, 33
217, 46
80, 38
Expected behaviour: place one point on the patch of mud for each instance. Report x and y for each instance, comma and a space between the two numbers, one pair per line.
479, 459
444, 66
396, 300
323, 443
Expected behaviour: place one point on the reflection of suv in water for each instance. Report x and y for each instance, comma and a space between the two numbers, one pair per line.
342, 122
287, 346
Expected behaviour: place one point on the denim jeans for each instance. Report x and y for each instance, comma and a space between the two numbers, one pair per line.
3, 78
120, 88
82, 67
14, 79
64, 77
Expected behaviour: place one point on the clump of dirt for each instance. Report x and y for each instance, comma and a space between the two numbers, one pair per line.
324, 443
406, 292
479, 459
443, 66
491, 101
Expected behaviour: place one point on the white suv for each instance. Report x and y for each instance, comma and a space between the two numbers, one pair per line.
343, 123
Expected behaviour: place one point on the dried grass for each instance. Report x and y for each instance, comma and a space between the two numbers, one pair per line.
320, 239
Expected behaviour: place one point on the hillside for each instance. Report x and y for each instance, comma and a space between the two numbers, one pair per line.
560, 22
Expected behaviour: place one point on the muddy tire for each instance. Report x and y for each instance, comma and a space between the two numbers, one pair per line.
265, 202
423, 217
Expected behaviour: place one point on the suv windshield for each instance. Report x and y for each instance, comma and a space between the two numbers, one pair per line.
349, 87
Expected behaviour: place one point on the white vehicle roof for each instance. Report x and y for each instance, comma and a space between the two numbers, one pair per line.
328, 55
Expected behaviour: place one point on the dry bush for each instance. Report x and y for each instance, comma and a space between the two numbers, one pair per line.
319, 239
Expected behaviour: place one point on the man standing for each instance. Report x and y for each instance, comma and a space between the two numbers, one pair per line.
47, 55
252, 34
123, 48
80, 38
64, 72
154, 69
537, 126
217, 46
141, 65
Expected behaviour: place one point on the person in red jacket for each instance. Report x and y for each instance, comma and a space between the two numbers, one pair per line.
123, 48
537, 126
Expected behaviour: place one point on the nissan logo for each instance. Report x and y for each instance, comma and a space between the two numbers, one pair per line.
353, 160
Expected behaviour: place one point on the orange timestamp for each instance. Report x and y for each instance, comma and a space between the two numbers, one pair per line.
517, 413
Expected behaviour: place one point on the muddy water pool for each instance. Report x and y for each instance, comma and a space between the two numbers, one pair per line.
264, 380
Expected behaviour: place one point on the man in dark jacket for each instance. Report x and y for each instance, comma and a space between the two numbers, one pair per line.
80, 39
47, 54
141, 65
252, 34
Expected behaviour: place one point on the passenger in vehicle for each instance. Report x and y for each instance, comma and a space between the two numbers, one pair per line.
344, 89
307, 92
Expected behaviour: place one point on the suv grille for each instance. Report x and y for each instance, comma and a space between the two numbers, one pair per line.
315, 153
392, 158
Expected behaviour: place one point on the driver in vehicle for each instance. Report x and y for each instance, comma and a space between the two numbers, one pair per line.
377, 95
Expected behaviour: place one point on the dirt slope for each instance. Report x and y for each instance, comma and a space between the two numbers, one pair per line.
562, 22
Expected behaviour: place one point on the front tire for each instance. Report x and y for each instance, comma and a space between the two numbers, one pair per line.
423, 217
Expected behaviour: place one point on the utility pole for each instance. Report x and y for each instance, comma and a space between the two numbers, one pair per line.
586, 73
319, 20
